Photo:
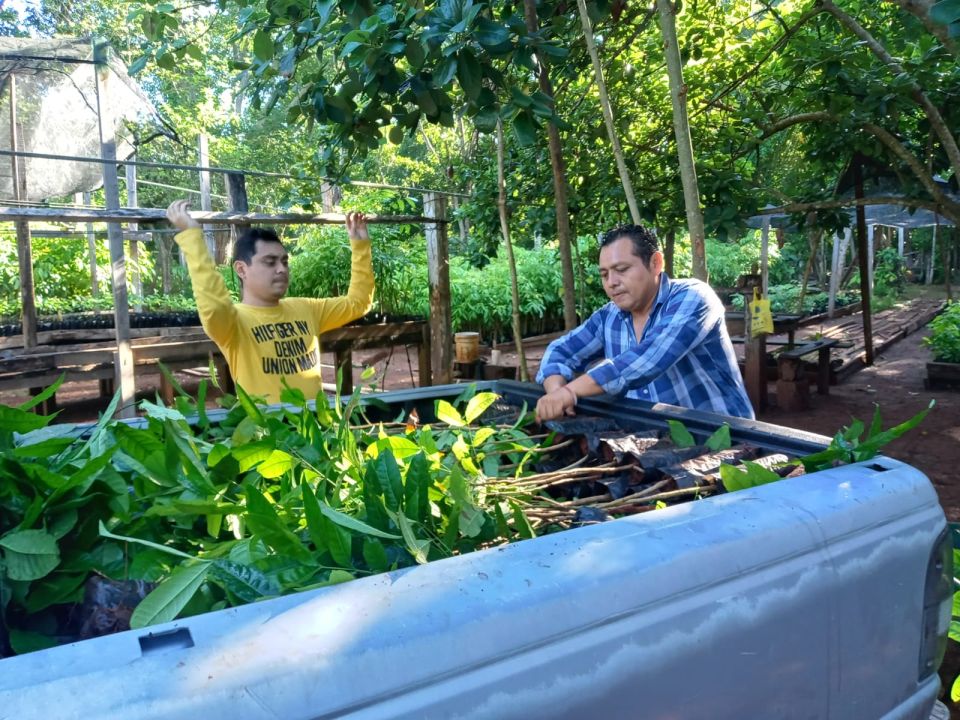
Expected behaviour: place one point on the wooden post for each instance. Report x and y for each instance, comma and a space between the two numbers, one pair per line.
928, 280
237, 202
163, 242
834, 275
438, 276
764, 255
871, 229
901, 238
18, 179
865, 287
123, 360
423, 358
84, 199
205, 200
754, 360
131, 173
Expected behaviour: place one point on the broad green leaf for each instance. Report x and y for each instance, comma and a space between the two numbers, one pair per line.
26, 641
870, 448
416, 489
522, 525
46, 394
263, 47
753, 475
21, 421
375, 555
478, 405
216, 454
720, 440
171, 596
249, 456
415, 546
276, 464
54, 589
263, 521
388, 477
445, 71
448, 413
680, 435
400, 447
160, 412
146, 543
59, 524
414, 53
245, 582
326, 534
249, 406
472, 519
503, 530
340, 576
469, 74
525, 128
351, 523
457, 487
490, 34
29, 554
482, 435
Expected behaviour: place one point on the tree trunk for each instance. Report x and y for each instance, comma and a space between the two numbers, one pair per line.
608, 113
511, 261
681, 127
559, 182
668, 250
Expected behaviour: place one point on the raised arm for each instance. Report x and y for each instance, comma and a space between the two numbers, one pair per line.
214, 304
337, 311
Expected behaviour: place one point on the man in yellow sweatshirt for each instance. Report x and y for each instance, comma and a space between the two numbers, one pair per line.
266, 337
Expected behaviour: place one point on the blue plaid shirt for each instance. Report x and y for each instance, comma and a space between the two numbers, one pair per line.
684, 358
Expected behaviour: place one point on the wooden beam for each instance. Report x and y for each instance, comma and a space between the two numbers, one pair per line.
18, 180
206, 204
91, 250
126, 215
123, 360
438, 278
865, 291
131, 173
237, 202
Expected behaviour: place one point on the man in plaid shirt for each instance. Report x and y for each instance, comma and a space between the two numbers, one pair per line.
658, 339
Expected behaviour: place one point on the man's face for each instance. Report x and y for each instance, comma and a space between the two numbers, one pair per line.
631, 285
266, 278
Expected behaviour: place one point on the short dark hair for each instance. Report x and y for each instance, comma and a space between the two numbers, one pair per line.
246, 246
644, 240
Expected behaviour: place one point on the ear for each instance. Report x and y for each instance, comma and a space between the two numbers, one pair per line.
240, 268
657, 263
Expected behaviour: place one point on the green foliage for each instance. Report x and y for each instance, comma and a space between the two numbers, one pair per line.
857, 443
944, 338
784, 299
268, 501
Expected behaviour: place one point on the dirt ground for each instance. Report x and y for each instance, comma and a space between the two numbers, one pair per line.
896, 383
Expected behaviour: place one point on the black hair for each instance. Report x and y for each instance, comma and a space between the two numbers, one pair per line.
644, 240
246, 246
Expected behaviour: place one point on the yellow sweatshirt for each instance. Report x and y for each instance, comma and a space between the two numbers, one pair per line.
264, 344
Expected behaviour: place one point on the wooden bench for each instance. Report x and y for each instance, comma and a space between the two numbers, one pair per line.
822, 348
42, 366
792, 387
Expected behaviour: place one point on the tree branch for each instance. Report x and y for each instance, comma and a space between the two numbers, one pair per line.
916, 92
812, 12
920, 9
